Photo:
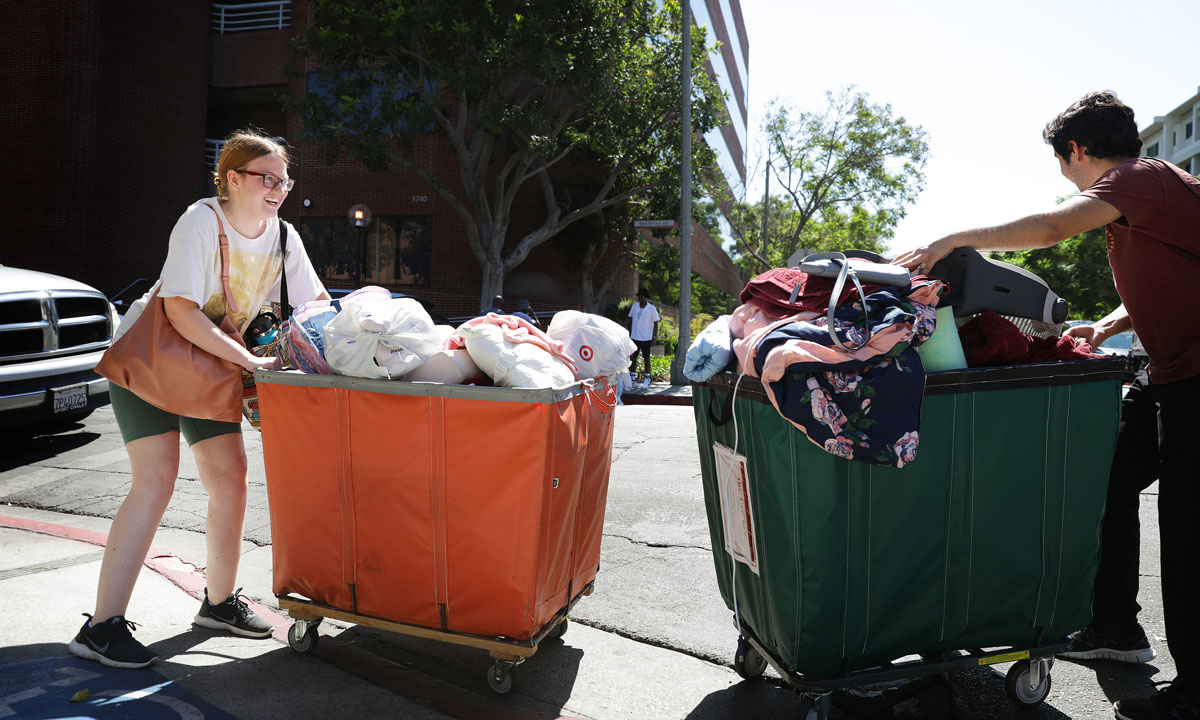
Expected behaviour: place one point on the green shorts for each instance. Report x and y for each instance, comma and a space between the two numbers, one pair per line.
138, 419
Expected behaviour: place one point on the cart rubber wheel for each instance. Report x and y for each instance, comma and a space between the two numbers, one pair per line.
815, 707
499, 677
748, 662
306, 643
1016, 685
558, 630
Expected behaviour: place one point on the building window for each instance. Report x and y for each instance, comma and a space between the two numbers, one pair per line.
1152, 151
399, 248
1187, 131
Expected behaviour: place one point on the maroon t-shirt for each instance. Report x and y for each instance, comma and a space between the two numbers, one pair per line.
1154, 252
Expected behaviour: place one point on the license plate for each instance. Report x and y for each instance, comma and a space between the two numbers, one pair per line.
72, 397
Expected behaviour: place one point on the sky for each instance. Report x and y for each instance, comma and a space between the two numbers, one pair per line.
983, 78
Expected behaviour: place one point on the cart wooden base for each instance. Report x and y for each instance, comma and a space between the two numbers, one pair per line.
506, 652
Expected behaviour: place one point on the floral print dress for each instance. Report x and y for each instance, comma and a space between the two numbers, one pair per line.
863, 403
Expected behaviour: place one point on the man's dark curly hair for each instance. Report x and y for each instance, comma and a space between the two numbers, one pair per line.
1100, 123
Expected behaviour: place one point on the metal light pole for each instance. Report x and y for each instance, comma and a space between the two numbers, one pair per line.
685, 206
360, 217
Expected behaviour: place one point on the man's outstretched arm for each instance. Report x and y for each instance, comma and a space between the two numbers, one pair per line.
1069, 218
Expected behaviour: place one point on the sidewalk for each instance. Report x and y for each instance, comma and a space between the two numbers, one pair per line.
49, 570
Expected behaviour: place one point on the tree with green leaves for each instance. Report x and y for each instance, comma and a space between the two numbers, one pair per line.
526, 93
588, 242
658, 268
1077, 270
844, 176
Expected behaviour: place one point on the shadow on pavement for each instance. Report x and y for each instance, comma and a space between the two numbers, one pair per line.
962, 695
64, 686
26, 446
979, 693
1121, 681
748, 700
416, 666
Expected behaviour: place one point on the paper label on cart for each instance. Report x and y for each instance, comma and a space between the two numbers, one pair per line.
737, 518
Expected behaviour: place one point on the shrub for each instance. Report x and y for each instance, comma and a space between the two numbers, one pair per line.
699, 322
660, 368
668, 335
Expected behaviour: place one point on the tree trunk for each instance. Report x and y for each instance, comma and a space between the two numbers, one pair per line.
592, 298
588, 300
493, 283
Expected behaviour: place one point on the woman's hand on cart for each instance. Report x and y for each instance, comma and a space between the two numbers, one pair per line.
253, 362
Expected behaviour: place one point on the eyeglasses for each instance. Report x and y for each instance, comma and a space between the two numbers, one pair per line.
271, 181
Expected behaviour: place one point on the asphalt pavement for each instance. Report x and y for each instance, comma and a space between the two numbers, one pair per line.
654, 641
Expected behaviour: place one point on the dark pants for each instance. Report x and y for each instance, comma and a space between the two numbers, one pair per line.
1156, 438
643, 347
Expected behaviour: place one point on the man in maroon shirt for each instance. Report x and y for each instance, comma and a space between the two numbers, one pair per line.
1150, 211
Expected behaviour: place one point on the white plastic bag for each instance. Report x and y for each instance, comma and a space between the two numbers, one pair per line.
376, 338
451, 367
521, 364
598, 345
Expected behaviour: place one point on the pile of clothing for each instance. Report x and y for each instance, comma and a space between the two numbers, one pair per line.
990, 339
373, 335
858, 399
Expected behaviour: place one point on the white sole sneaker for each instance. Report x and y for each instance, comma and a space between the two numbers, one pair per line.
80, 650
1144, 655
213, 623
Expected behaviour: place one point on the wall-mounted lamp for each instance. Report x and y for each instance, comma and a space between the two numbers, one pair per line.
307, 202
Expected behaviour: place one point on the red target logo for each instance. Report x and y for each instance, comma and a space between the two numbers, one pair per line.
585, 352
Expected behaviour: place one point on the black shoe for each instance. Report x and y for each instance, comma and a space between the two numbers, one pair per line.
111, 643
1089, 644
233, 615
1173, 702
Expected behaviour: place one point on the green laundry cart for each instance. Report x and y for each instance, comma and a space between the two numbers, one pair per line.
980, 551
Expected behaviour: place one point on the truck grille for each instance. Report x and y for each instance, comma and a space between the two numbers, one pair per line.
35, 325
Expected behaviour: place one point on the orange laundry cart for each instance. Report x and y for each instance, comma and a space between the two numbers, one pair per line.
471, 515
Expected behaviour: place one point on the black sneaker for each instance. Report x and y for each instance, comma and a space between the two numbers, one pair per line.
1173, 702
1089, 644
111, 643
233, 615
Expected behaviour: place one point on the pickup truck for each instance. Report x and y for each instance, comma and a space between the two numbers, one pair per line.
53, 331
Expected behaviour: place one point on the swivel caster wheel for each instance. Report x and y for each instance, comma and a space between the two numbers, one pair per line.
748, 662
1020, 685
499, 677
303, 636
815, 707
558, 630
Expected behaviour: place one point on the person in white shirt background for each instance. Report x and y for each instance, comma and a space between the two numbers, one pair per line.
643, 329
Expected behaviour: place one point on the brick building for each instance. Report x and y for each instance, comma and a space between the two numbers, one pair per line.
121, 109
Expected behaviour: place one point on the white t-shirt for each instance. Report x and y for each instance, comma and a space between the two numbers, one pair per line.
192, 269
643, 321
